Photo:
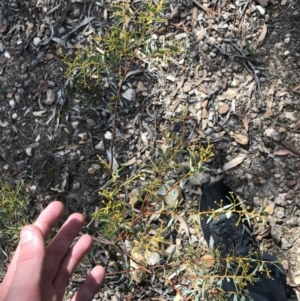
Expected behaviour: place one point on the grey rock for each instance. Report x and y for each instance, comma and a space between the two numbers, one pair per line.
280, 200
51, 96
199, 178
275, 233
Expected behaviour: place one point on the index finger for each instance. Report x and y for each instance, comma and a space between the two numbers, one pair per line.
49, 217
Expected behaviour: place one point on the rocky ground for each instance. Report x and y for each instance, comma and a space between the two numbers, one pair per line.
237, 83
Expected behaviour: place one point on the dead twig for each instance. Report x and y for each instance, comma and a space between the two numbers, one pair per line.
251, 67
244, 9
243, 57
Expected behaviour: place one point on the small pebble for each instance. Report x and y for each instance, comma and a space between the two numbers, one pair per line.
290, 183
100, 146
37, 41
12, 103
76, 13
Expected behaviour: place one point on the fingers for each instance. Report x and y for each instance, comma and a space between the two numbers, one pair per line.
70, 262
91, 285
45, 222
28, 267
60, 245
49, 218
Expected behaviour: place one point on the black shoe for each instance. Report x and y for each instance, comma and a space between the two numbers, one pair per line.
230, 236
229, 233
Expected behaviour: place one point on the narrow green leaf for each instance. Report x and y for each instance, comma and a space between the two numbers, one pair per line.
160, 151
227, 206
182, 170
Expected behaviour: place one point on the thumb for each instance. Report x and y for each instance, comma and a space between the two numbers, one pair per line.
26, 280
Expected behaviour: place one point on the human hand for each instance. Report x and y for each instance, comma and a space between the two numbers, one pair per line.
41, 273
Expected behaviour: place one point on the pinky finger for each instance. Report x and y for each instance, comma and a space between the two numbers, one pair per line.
91, 285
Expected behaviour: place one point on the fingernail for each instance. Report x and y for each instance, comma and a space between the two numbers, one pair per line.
26, 236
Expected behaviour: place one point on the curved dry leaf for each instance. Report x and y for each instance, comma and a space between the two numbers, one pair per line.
234, 162
39, 113
284, 152
262, 35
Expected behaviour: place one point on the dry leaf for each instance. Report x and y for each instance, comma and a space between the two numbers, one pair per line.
158, 299
241, 139
181, 82
284, 152
113, 162
210, 12
137, 274
204, 113
144, 138
204, 103
289, 145
270, 208
133, 196
224, 109
177, 297
207, 260
39, 113
194, 17
297, 89
200, 35
268, 113
262, 35
234, 162
230, 93
173, 197
130, 162
246, 123
48, 56
252, 88
183, 224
